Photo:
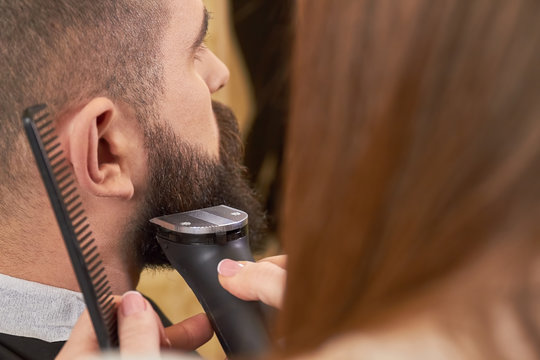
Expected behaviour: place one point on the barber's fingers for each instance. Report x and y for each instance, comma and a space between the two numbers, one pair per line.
139, 328
279, 260
191, 333
82, 340
264, 280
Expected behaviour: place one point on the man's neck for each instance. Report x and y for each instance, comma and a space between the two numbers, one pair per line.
38, 258
44, 259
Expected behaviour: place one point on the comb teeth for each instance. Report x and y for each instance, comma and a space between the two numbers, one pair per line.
69, 193
101, 279
55, 165
54, 147
62, 180
46, 134
72, 200
83, 240
59, 172
95, 268
83, 229
49, 142
77, 215
80, 222
54, 157
59, 181
90, 253
42, 117
43, 125
103, 289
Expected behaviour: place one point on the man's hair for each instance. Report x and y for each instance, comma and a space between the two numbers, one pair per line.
65, 52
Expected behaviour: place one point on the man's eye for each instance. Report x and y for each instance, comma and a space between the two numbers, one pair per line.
200, 51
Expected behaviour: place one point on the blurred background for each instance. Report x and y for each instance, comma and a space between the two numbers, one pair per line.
253, 38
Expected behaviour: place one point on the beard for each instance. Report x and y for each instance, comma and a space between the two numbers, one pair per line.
183, 178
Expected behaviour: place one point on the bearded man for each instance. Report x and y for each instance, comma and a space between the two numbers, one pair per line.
129, 86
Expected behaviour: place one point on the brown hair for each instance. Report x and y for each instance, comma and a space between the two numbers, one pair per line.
414, 139
64, 52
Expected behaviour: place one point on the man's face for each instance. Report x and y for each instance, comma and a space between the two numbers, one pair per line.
193, 160
191, 74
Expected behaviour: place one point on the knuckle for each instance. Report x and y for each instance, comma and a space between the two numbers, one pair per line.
264, 278
189, 338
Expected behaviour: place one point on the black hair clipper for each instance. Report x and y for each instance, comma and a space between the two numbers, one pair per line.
194, 243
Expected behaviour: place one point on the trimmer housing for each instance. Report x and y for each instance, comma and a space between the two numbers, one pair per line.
195, 242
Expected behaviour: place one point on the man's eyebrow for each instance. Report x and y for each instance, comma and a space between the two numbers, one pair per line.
202, 32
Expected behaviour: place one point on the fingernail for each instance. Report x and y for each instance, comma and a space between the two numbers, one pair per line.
228, 267
132, 302
169, 344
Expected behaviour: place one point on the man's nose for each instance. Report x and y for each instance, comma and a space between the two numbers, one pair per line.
217, 73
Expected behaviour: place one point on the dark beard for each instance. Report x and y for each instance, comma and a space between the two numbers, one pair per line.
182, 179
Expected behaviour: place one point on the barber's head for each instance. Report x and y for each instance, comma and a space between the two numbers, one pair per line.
129, 84
414, 148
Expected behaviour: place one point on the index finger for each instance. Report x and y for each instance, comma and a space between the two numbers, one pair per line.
279, 260
191, 333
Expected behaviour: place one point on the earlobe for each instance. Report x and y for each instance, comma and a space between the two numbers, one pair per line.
95, 150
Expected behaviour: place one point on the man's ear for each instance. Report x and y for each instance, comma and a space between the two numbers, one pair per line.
96, 150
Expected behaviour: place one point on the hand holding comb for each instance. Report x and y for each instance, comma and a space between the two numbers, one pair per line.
60, 185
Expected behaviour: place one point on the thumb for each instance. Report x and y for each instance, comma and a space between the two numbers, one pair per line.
264, 280
138, 330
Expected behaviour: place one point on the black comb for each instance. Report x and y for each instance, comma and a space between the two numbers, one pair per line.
60, 184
